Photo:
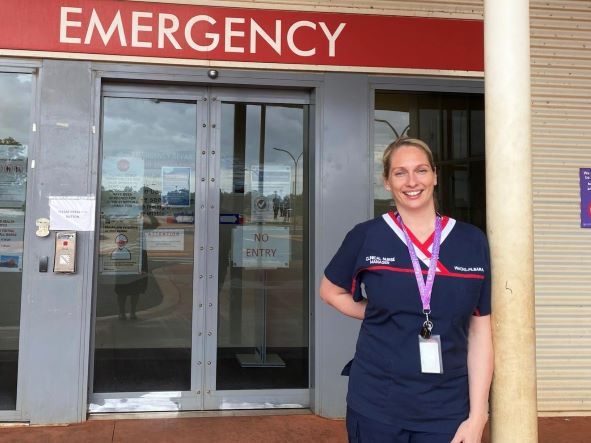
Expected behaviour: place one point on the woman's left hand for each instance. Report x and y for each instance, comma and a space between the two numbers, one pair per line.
470, 431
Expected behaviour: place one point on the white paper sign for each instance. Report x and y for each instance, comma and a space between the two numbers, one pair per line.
261, 208
260, 247
164, 240
71, 213
271, 179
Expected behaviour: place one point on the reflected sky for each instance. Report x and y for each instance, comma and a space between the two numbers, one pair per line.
148, 125
163, 133
284, 129
15, 106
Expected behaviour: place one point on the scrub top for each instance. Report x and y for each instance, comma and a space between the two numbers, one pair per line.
385, 379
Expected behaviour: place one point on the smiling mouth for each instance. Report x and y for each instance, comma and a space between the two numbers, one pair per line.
412, 193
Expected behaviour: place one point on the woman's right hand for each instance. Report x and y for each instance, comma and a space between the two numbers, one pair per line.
341, 299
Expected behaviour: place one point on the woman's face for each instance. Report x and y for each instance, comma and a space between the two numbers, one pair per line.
411, 181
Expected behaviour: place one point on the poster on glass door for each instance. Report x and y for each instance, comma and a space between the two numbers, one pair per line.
270, 188
121, 246
122, 186
13, 176
176, 186
12, 234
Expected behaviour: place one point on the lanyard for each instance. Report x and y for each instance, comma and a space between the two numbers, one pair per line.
424, 288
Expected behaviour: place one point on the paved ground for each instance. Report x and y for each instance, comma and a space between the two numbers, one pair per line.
243, 429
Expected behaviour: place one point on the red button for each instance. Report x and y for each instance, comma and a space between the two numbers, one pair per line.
65, 242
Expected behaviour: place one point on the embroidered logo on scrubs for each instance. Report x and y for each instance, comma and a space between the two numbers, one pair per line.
463, 269
375, 260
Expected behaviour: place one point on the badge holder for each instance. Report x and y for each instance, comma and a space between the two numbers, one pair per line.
430, 351
430, 348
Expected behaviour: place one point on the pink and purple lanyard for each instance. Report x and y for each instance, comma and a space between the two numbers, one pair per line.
425, 288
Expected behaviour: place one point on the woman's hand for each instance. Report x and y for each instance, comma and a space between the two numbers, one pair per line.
470, 431
341, 299
480, 369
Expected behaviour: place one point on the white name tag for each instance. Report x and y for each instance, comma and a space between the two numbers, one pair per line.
430, 350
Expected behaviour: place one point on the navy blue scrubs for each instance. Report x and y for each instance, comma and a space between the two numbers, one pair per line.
385, 379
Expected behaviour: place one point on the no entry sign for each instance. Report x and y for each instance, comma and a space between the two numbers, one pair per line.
260, 246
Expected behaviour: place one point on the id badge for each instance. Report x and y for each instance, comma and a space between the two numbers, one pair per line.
430, 351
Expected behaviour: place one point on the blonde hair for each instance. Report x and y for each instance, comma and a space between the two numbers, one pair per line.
405, 141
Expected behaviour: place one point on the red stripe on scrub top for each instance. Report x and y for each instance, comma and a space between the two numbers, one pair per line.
408, 270
424, 247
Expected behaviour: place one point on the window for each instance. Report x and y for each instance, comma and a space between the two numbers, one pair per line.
453, 126
15, 123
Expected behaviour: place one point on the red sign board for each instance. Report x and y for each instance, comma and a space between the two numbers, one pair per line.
193, 32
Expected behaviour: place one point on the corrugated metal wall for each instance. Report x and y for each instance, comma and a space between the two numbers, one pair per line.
430, 8
561, 94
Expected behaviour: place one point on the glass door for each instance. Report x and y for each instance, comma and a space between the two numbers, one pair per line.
202, 284
16, 92
261, 230
147, 354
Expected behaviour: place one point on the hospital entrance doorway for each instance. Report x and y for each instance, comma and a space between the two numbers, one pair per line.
202, 298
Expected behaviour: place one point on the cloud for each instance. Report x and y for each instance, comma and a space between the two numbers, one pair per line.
15, 106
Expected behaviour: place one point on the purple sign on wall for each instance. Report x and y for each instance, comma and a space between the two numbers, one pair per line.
585, 185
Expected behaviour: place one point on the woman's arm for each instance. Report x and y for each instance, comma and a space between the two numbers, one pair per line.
480, 369
341, 299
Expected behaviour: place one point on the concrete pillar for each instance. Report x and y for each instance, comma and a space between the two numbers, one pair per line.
510, 218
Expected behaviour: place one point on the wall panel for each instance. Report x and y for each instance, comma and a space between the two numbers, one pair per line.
434, 8
561, 97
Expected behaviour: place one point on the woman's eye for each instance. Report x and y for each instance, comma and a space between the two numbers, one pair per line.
399, 174
422, 171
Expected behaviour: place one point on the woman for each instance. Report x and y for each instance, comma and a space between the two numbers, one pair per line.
423, 363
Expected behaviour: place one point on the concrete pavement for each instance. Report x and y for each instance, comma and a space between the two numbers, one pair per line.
239, 428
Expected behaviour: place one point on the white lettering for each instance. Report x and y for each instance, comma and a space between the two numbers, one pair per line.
332, 38
472, 269
201, 33
255, 29
290, 40
215, 38
136, 28
229, 33
65, 24
375, 260
164, 30
116, 24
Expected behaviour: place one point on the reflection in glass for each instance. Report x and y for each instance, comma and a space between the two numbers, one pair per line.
263, 302
144, 288
15, 106
453, 126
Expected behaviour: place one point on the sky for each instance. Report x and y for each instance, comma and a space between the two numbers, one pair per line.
165, 133
15, 106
